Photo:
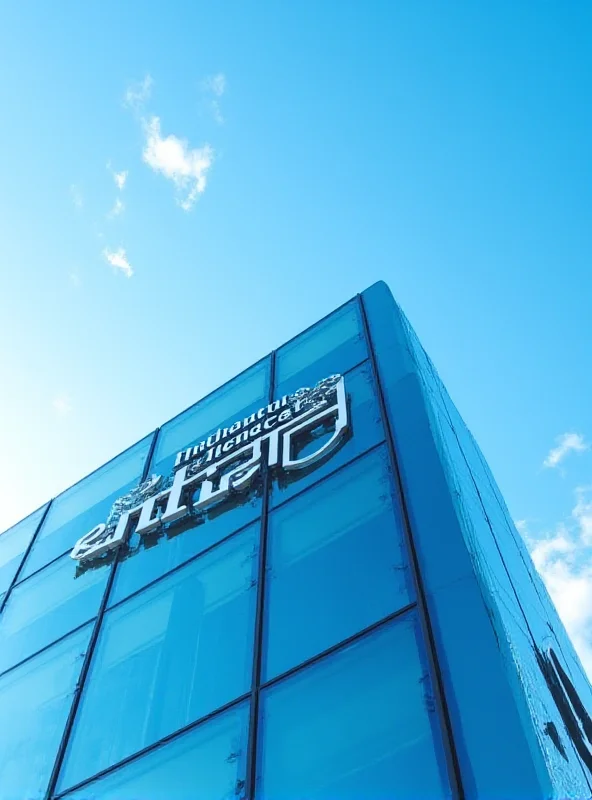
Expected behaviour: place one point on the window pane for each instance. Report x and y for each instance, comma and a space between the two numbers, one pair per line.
86, 504
231, 402
167, 657
334, 345
46, 606
208, 762
366, 431
336, 564
35, 699
150, 556
13, 544
353, 726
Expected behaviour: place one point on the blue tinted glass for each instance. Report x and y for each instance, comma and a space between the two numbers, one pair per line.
231, 402
46, 606
167, 657
35, 699
336, 564
13, 544
150, 556
333, 346
208, 762
366, 431
354, 726
86, 504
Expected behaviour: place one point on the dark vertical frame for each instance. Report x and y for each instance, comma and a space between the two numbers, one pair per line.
91, 648
450, 753
252, 742
24, 556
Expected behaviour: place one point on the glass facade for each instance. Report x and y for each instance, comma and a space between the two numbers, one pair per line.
257, 600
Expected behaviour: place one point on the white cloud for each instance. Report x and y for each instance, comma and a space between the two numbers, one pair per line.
118, 259
564, 561
171, 156
118, 208
76, 196
75, 279
566, 443
138, 93
62, 404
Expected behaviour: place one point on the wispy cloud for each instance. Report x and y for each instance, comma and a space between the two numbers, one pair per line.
119, 177
138, 93
185, 167
118, 208
118, 260
75, 279
564, 561
76, 196
215, 85
566, 443
62, 404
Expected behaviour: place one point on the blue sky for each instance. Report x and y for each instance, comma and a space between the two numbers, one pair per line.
256, 164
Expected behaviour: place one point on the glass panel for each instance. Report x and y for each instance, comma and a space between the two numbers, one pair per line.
333, 346
35, 699
13, 544
366, 431
354, 725
151, 556
46, 606
342, 541
86, 504
208, 762
245, 394
167, 657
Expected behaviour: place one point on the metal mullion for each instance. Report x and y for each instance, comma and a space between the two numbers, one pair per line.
24, 558
162, 742
449, 745
90, 649
251, 765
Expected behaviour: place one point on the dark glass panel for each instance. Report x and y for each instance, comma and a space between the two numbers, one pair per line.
47, 606
365, 431
35, 699
86, 504
343, 542
354, 726
13, 544
167, 657
208, 762
334, 345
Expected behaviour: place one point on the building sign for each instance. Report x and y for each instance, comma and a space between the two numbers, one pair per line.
227, 463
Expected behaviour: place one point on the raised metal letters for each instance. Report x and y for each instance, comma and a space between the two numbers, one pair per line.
226, 464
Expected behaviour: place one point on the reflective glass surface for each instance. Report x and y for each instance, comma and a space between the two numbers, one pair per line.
354, 726
35, 699
150, 556
13, 544
46, 606
167, 657
237, 399
336, 564
366, 431
208, 762
86, 504
333, 346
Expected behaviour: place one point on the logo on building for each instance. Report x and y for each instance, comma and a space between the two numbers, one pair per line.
281, 435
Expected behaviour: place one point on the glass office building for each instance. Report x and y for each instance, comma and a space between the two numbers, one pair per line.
305, 587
